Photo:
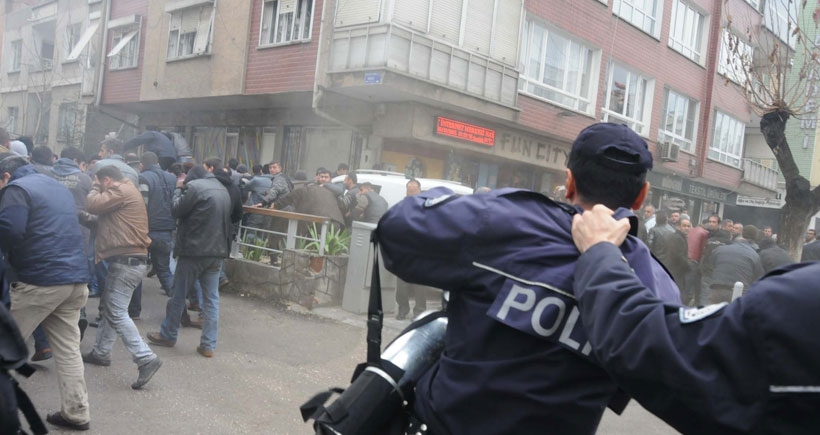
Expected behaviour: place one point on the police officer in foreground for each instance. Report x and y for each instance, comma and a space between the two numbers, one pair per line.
516, 359
750, 367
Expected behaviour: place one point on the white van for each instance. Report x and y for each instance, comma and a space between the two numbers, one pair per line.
393, 185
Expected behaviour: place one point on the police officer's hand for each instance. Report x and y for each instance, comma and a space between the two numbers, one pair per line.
598, 225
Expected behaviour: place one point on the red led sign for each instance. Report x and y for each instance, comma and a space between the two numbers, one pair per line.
464, 131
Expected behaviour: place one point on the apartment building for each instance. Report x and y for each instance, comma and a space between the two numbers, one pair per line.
486, 92
49, 74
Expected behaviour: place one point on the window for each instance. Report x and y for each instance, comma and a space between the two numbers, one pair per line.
628, 99
125, 53
66, 122
735, 55
686, 33
727, 144
781, 18
12, 114
16, 55
71, 38
44, 43
190, 32
286, 21
643, 14
678, 121
557, 69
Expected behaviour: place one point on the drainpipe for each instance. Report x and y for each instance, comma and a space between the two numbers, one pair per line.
711, 71
103, 47
320, 74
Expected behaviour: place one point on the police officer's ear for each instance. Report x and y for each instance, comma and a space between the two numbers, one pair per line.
570, 186
636, 205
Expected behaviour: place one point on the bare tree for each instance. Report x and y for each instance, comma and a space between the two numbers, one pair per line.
776, 63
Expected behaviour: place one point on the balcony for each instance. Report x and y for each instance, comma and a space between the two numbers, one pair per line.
758, 174
399, 50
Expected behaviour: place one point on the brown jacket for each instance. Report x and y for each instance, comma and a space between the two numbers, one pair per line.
122, 221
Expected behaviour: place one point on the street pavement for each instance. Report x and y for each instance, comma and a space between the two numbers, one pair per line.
268, 361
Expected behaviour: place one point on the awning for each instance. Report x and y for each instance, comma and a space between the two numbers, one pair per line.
123, 42
83, 42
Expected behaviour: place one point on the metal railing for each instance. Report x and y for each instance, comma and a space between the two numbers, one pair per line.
291, 236
400, 49
756, 173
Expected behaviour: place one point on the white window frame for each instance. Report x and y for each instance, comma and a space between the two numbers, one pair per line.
732, 64
124, 55
686, 30
640, 119
272, 16
191, 43
12, 117
780, 20
635, 13
71, 36
16, 54
574, 93
727, 140
679, 120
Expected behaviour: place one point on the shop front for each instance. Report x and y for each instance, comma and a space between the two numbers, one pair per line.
698, 200
456, 148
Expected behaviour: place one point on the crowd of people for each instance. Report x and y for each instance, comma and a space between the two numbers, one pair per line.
75, 227
709, 258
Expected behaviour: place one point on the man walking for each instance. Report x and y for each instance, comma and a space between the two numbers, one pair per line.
157, 187
370, 206
202, 207
405, 290
122, 241
41, 237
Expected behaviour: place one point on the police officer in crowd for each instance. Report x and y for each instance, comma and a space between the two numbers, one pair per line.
516, 359
748, 367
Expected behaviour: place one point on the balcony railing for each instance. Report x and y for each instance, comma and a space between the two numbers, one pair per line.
399, 49
756, 173
272, 241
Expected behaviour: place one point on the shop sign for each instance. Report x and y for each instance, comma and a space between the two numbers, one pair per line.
372, 78
754, 201
687, 187
532, 150
464, 131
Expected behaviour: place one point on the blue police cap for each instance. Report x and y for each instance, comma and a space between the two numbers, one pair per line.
615, 146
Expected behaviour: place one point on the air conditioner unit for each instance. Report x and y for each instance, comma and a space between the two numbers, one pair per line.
669, 151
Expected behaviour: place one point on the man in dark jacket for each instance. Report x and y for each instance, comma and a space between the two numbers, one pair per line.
677, 256
157, 187
773, 256
731, 263
41, 237
314, 199
657, 235
224, 177
254, 189
811, 250
749, 367
370, 206
158, 144
515, 358
202, 207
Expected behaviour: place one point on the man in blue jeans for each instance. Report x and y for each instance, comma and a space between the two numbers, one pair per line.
122, 241
202, 207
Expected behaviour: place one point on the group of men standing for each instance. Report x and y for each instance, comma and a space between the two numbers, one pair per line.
42, 206
707, 260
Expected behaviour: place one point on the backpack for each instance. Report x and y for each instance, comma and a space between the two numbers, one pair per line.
13, 357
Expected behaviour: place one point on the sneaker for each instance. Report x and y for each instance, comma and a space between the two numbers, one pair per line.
147, 371
204, 352
94, 294
151, 273
91, 358
57, 419
42, 354
159, 340
223, 284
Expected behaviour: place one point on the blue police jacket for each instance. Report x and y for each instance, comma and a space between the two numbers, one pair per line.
750, 367
43, 241
161, 186
516, 358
